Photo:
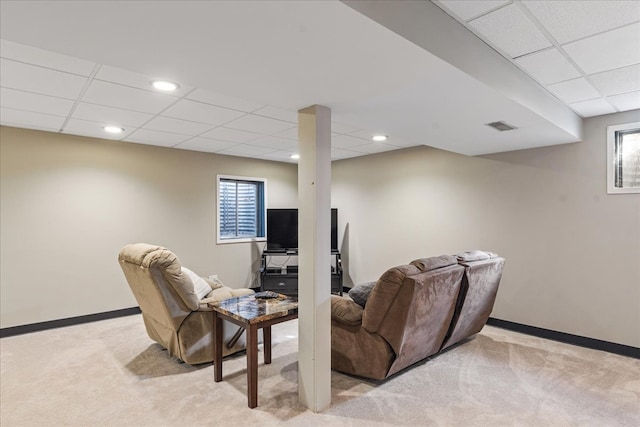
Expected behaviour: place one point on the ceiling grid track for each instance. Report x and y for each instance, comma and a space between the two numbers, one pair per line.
77, 101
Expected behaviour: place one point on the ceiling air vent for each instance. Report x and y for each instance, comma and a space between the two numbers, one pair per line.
501, 126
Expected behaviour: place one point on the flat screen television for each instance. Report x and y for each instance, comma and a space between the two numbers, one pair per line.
282, 230
334, 230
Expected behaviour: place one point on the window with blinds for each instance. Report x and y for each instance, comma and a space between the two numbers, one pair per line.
241, 209
623, 158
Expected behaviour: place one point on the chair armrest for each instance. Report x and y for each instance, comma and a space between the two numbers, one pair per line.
214, 283
216, 295
242, 292
345, 311
221, 294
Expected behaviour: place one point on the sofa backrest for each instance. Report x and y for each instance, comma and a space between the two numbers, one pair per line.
383, 294
477, 297
161, 289
411, 307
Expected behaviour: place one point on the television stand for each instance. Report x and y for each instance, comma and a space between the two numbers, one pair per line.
279, 277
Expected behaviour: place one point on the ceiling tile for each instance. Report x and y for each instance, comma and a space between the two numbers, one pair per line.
30, 78
110, 115
572, 20
399, 142
341, 153
204, 144
375, 147
278, 113
27, 101
607, 51
468, 9
614, 82
200, 112
184, 127
19, 118
92, 129
259, 124
548, 66
349, 142
275, 143
574, 90
626, 101
115, 95
220, 100
592, 107
233, 135
338, 127
511, 31
280, 156
164, 139
367, 134
44, 58
140, 81
245, 149
291, 133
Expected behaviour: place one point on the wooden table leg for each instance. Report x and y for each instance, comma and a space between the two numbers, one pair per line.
217, 347
252, 365
234, 339
266, 335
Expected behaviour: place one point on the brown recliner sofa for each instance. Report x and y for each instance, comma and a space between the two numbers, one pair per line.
482, 274
174, 315
412, 312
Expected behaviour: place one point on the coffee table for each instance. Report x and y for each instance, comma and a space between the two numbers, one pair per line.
250, 313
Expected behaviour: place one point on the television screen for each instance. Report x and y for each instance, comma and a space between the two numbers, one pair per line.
282, 229
334, 230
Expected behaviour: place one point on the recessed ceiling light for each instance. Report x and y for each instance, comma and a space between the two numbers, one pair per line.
113, 129
164, 85
379, 138
295, 156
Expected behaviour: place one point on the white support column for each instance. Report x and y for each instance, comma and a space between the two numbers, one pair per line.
314, 259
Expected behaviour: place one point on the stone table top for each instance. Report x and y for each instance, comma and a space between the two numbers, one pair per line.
251, 310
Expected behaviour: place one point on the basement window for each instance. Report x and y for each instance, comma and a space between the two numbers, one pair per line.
241, 209
623, 158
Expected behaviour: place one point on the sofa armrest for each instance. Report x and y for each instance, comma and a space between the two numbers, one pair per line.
345, 311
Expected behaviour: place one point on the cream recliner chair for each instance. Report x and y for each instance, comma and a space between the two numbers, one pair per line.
173, 314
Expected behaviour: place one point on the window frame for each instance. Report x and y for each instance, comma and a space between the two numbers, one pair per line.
613, 162
263, 181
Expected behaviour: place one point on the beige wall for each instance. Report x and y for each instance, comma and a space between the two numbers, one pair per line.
70, 203
573, 252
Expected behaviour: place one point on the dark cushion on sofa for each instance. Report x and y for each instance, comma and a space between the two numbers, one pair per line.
360, 293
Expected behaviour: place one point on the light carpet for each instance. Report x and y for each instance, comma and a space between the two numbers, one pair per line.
109, 373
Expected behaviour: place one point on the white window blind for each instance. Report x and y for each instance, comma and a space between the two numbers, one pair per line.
623, 158
627, 172
241, 209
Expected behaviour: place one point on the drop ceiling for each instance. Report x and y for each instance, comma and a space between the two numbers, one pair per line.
246, 68
586, 53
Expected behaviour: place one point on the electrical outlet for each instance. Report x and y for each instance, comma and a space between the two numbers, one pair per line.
213, 277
